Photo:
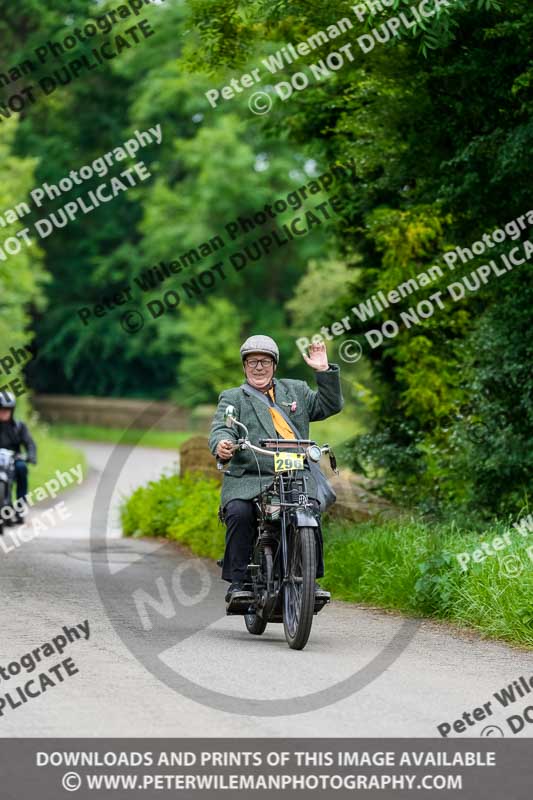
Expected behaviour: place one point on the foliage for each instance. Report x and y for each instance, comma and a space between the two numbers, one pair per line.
412, 567
323, 279
440, 162
438, 123
184, 509
21, 275
209, 360
209, 170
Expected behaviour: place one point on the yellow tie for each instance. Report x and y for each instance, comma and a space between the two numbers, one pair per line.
282, 427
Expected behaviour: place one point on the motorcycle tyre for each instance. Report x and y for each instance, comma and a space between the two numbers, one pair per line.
298, 639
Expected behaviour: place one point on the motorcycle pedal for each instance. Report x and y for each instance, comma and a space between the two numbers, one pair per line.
237, 606
320, 603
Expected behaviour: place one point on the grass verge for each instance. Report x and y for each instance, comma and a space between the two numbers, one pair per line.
406, 565
413, 567
52, 455
167, 440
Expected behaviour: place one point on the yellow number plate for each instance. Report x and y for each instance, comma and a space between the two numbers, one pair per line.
285, 461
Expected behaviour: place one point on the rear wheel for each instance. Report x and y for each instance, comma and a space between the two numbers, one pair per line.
255, 624
299, 591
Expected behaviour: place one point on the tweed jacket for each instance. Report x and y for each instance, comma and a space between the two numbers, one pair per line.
241, 479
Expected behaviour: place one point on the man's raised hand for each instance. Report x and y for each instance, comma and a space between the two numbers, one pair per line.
318, 357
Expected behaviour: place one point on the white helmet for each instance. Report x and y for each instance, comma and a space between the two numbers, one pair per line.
260, 344
7, 400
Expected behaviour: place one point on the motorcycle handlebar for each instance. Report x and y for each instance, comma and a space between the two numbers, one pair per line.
246, 444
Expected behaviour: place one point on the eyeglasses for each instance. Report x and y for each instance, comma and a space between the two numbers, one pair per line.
254, 362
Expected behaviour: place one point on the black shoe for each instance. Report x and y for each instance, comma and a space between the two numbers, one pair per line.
321, 593
238, 592
10, 521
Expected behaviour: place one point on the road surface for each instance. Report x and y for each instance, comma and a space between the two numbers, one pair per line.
48, 583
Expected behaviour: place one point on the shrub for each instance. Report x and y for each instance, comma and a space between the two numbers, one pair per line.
181, 508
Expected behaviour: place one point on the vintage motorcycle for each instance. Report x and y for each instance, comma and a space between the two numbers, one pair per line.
283, 569
7, 478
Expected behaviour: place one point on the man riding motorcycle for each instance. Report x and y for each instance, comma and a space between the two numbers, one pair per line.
302, 405
14, 435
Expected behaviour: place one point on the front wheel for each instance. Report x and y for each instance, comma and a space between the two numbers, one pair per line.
4, 501
299, 591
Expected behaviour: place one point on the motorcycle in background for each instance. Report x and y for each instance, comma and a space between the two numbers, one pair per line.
7, 478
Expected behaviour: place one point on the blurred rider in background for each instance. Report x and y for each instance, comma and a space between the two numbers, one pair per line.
15, 436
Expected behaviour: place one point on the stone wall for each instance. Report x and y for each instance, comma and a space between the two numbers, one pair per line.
112, 412
195, 456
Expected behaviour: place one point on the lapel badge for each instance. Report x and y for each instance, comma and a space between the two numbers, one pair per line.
292, 406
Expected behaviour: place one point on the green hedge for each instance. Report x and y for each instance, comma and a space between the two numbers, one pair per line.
410, 566
182, 509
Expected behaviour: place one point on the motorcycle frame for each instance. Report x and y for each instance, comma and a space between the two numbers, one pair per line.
299, 513
7, 476
305, 515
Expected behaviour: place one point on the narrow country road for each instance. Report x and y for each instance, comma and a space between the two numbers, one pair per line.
427, 675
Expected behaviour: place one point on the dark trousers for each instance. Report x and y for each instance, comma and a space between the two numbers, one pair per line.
240, 519
21, 477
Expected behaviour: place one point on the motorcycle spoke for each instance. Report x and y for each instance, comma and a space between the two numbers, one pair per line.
295, 585
299, 587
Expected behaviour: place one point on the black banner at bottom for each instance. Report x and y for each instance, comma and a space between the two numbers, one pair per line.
53, 769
